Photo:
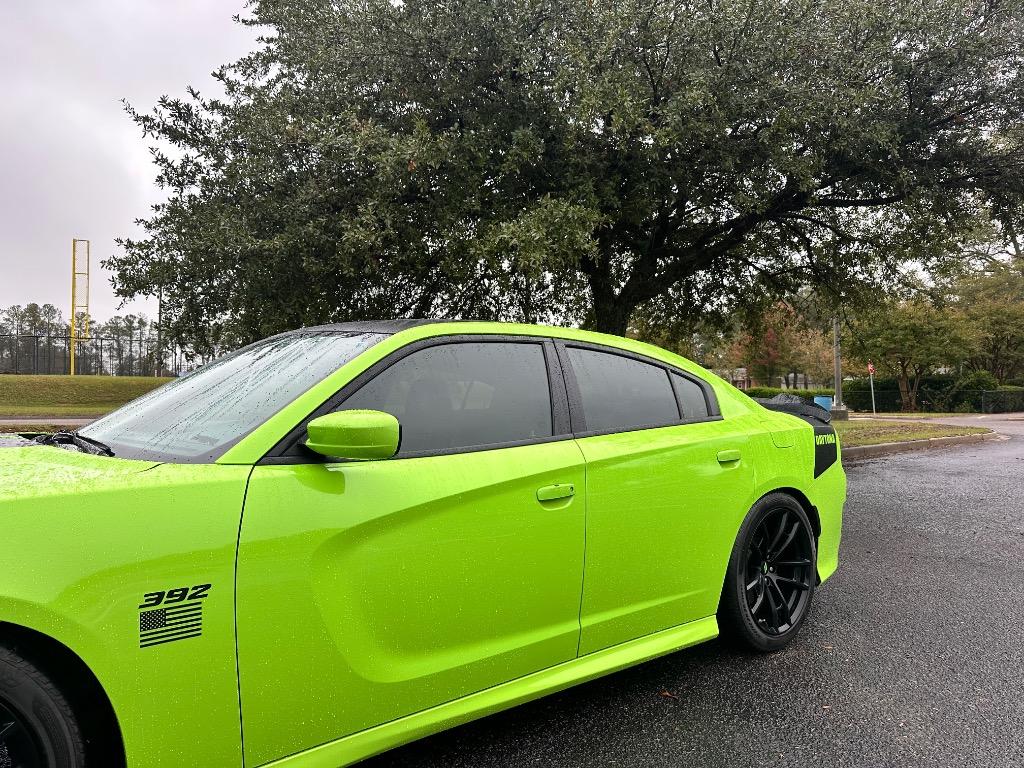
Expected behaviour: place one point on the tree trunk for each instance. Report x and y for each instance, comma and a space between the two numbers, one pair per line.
913, 392
904, 382
610, 316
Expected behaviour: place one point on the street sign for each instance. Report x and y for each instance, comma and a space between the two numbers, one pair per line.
871, 379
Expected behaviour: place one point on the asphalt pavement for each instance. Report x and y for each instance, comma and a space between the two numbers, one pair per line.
913, 654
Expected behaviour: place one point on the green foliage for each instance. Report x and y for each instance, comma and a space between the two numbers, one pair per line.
993, 302
124, 345
32, 319
975, 392
578, 162
973, 322
778, 344
977, 380
888, 397
909, 339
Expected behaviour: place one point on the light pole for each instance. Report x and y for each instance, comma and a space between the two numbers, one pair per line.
839, 411
159, 329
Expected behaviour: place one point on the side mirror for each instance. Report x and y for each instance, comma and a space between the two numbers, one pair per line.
354, 435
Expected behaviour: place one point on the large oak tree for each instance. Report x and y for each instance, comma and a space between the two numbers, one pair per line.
575, 160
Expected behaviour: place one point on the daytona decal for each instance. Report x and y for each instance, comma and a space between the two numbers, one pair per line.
826, 449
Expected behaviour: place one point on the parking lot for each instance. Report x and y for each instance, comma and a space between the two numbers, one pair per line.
913, 654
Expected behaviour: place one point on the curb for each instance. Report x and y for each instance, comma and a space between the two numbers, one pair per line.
886, 449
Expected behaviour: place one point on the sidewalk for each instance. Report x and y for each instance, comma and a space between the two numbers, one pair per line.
941, 417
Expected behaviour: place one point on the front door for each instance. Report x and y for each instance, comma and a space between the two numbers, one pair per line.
372, 590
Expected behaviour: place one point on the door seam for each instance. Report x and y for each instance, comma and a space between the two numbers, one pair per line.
586, 527
238, 670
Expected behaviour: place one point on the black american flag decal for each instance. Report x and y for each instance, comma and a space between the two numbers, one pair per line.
165, 625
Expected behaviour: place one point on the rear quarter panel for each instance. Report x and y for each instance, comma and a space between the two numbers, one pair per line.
792, 466
783, 452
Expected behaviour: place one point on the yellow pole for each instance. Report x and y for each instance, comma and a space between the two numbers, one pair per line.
88, 269
74, 279
79, 304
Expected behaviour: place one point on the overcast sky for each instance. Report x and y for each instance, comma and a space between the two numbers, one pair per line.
72, 164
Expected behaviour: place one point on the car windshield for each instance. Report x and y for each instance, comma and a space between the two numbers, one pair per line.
198, 417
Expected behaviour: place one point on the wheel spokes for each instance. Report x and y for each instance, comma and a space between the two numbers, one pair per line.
794, 563
779, 534
760, 599
789, 540
772, 607
760, 550
799, 585
784, 609
777, 600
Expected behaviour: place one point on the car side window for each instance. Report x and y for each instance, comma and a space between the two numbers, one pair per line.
620, 393
463, 395
691, 397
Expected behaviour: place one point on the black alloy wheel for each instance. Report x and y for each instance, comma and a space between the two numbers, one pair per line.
771, 576
779, 574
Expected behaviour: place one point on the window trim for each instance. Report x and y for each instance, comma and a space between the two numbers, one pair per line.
710, 400
577, 416
291, 450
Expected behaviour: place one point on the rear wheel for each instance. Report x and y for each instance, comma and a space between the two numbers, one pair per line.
37, 726
771, 576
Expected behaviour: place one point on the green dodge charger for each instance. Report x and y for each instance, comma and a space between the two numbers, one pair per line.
347, 537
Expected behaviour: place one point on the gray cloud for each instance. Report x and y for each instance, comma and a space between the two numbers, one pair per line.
72, 164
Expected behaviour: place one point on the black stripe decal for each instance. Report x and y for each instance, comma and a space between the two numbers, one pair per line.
826, 449
196, 633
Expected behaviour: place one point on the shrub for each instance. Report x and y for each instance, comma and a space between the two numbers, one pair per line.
975, 392
977, 380
931, 396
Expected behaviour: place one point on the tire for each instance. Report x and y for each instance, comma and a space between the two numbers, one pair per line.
770, 581
37, 726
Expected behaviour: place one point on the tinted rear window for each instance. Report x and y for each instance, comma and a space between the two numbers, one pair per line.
621, 393
691, 397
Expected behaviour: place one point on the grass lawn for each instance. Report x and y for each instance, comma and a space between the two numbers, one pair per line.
11, 429
906, 415
71, 396
875, 431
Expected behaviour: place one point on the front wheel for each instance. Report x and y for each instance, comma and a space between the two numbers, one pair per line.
771, 576
37, 726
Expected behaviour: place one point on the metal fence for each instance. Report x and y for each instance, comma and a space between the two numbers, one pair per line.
98, 355
1009, 400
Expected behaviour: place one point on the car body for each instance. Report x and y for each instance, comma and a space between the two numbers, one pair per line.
329, 610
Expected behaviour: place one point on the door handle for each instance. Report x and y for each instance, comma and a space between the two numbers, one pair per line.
727, 457
556, 492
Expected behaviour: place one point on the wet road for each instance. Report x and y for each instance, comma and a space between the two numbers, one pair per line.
913, 654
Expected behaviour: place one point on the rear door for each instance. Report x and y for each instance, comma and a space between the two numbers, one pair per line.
666, 483
372, 590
